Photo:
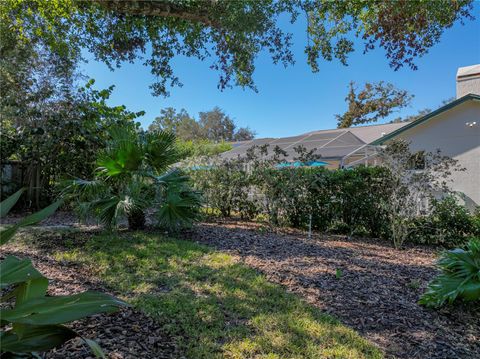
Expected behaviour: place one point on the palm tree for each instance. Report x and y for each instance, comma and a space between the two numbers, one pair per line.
135, 173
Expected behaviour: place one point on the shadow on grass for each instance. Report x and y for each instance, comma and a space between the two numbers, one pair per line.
376, 294
210, 303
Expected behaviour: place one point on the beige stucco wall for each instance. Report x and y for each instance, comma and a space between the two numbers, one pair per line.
449, 133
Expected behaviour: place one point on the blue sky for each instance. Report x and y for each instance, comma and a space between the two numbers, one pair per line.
294, 100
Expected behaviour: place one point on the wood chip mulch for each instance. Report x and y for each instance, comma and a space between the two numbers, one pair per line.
127, 334
367, 284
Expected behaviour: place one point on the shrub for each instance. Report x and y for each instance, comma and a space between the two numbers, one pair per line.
413, 180
286, 195
459, 278
476, 222
59, 138
200, 148
453, 221
134, 174
449, 224
226, 188
294, 196
389, 201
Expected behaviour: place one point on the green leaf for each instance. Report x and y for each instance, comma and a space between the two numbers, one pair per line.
34, 288
39, 216
95, 348
124, 154
7, 204
7, 233
61, 309
15, 271
161, 150
460, 277
35, 338
471, 291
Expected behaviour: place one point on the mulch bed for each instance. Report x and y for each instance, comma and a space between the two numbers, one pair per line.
365, 283
375, 290
127, 334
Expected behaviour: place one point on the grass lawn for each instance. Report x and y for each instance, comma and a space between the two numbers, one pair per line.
214, 306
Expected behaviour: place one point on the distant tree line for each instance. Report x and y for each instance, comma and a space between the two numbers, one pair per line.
214, 125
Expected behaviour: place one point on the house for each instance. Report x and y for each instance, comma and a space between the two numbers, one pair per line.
331, 145
454, 129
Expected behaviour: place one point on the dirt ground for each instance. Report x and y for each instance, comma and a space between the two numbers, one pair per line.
367, 284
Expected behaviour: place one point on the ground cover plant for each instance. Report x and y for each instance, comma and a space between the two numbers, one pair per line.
459, 278
212, 305
31, 321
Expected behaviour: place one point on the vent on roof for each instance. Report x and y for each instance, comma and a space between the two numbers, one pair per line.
468, 80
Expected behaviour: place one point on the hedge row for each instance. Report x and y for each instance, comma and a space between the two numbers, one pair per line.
351, 202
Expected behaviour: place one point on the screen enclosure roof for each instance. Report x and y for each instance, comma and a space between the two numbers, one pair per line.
328, 144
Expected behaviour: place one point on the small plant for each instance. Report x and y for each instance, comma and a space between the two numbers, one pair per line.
414, 284
338, 273
459, 278
263, 229
31, 321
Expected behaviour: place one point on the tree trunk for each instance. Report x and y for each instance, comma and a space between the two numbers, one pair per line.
136, 220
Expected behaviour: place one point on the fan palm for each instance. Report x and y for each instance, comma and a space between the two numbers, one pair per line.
459, 277
134, 174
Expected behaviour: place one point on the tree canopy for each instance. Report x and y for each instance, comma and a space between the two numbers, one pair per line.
372, 103
230, 33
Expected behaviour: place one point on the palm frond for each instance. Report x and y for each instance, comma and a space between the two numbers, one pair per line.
172, 177
105, 210
109, 209
123, 154
161, 150
83, 188
179, 207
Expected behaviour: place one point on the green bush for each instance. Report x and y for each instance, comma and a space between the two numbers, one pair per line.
459, 278
201, 148
476, 222
226, 188
295, 196
60, 139
389, 201
449, 224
